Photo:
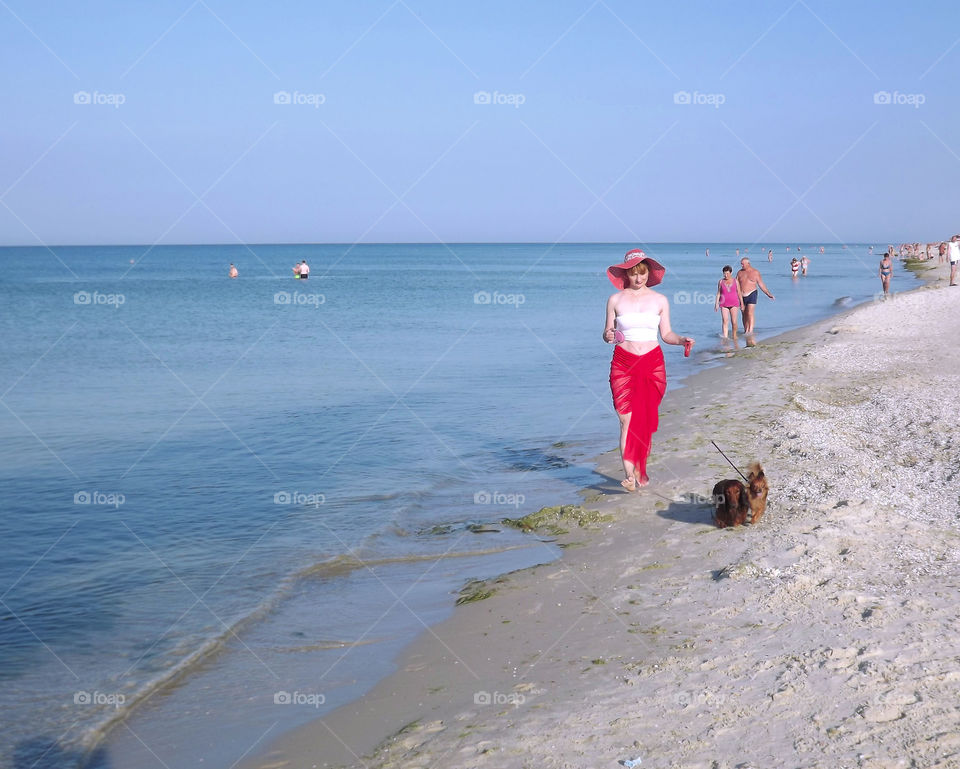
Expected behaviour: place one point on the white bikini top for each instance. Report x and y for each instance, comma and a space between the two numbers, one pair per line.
639, 326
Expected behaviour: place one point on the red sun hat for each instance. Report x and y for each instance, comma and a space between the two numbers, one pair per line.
618, 272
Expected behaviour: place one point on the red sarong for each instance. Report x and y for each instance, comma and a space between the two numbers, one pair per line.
638, 383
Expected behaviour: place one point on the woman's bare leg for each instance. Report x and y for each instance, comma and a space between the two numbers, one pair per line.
628, 467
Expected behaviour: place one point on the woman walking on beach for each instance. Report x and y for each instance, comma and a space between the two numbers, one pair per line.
728, 299
886, 272
638, 377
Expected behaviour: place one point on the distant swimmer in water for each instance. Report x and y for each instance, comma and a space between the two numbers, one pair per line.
821, 249
233, 271
886, 272
707, 252
738, 252
871, 249
304, 270
795, 266
770, 255
804, 263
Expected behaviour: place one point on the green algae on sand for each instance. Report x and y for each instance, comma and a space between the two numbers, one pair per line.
550, 519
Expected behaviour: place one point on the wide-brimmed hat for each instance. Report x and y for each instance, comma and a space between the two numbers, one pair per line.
618, 272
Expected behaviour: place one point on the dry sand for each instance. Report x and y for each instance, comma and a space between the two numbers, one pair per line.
826, 636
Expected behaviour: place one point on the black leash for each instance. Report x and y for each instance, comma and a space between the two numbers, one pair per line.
731, 463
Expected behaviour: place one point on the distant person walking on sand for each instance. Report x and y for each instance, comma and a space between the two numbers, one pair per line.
886, 272
942, 252
953, 250
638, 377
750, 281
304, 270
233, 271
728, 301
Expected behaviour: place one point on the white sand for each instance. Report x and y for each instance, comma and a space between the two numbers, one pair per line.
827, 636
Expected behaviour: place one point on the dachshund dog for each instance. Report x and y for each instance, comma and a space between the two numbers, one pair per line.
737, 504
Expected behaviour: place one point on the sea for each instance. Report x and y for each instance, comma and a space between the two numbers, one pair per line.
228, 504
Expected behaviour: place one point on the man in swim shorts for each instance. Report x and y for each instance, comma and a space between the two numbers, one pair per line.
953, 249
750, 281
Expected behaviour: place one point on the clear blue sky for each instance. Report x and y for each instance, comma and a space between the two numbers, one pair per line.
598, 150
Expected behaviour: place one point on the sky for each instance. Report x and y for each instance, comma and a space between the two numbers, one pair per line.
208, 121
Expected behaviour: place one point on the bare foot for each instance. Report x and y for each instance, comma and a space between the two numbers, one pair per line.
644, 480
630, 484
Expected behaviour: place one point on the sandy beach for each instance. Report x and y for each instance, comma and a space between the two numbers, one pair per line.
823, 637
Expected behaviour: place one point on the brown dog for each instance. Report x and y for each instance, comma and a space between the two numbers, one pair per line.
758, 492
737, 504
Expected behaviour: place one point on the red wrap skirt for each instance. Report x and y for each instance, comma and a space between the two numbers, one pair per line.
638, 383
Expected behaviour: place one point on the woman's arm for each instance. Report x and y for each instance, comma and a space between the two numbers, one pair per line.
611, 319
716, 301
666, 333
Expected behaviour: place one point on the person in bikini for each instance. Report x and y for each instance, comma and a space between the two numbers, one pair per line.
886, 272
750, 281
728, 300
638, 377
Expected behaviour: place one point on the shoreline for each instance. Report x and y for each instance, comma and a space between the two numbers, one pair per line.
447, 671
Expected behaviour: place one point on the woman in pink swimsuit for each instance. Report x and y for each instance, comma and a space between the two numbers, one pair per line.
729, 299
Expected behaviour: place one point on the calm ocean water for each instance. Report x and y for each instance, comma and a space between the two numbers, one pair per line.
192, 467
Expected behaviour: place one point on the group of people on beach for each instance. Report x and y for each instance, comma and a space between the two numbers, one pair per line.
947, 250
635, 314
741, 294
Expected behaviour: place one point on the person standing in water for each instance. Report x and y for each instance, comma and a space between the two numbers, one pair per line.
750, 281
886, 272
727, 300
233, 271
638, 377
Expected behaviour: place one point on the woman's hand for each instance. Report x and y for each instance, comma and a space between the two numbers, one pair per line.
608, 336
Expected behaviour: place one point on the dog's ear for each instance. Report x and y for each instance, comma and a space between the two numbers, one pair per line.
756, 471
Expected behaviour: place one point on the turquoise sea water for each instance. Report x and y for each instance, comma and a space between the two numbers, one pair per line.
193, 468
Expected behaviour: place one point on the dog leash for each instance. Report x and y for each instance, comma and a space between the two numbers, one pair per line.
731, 463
